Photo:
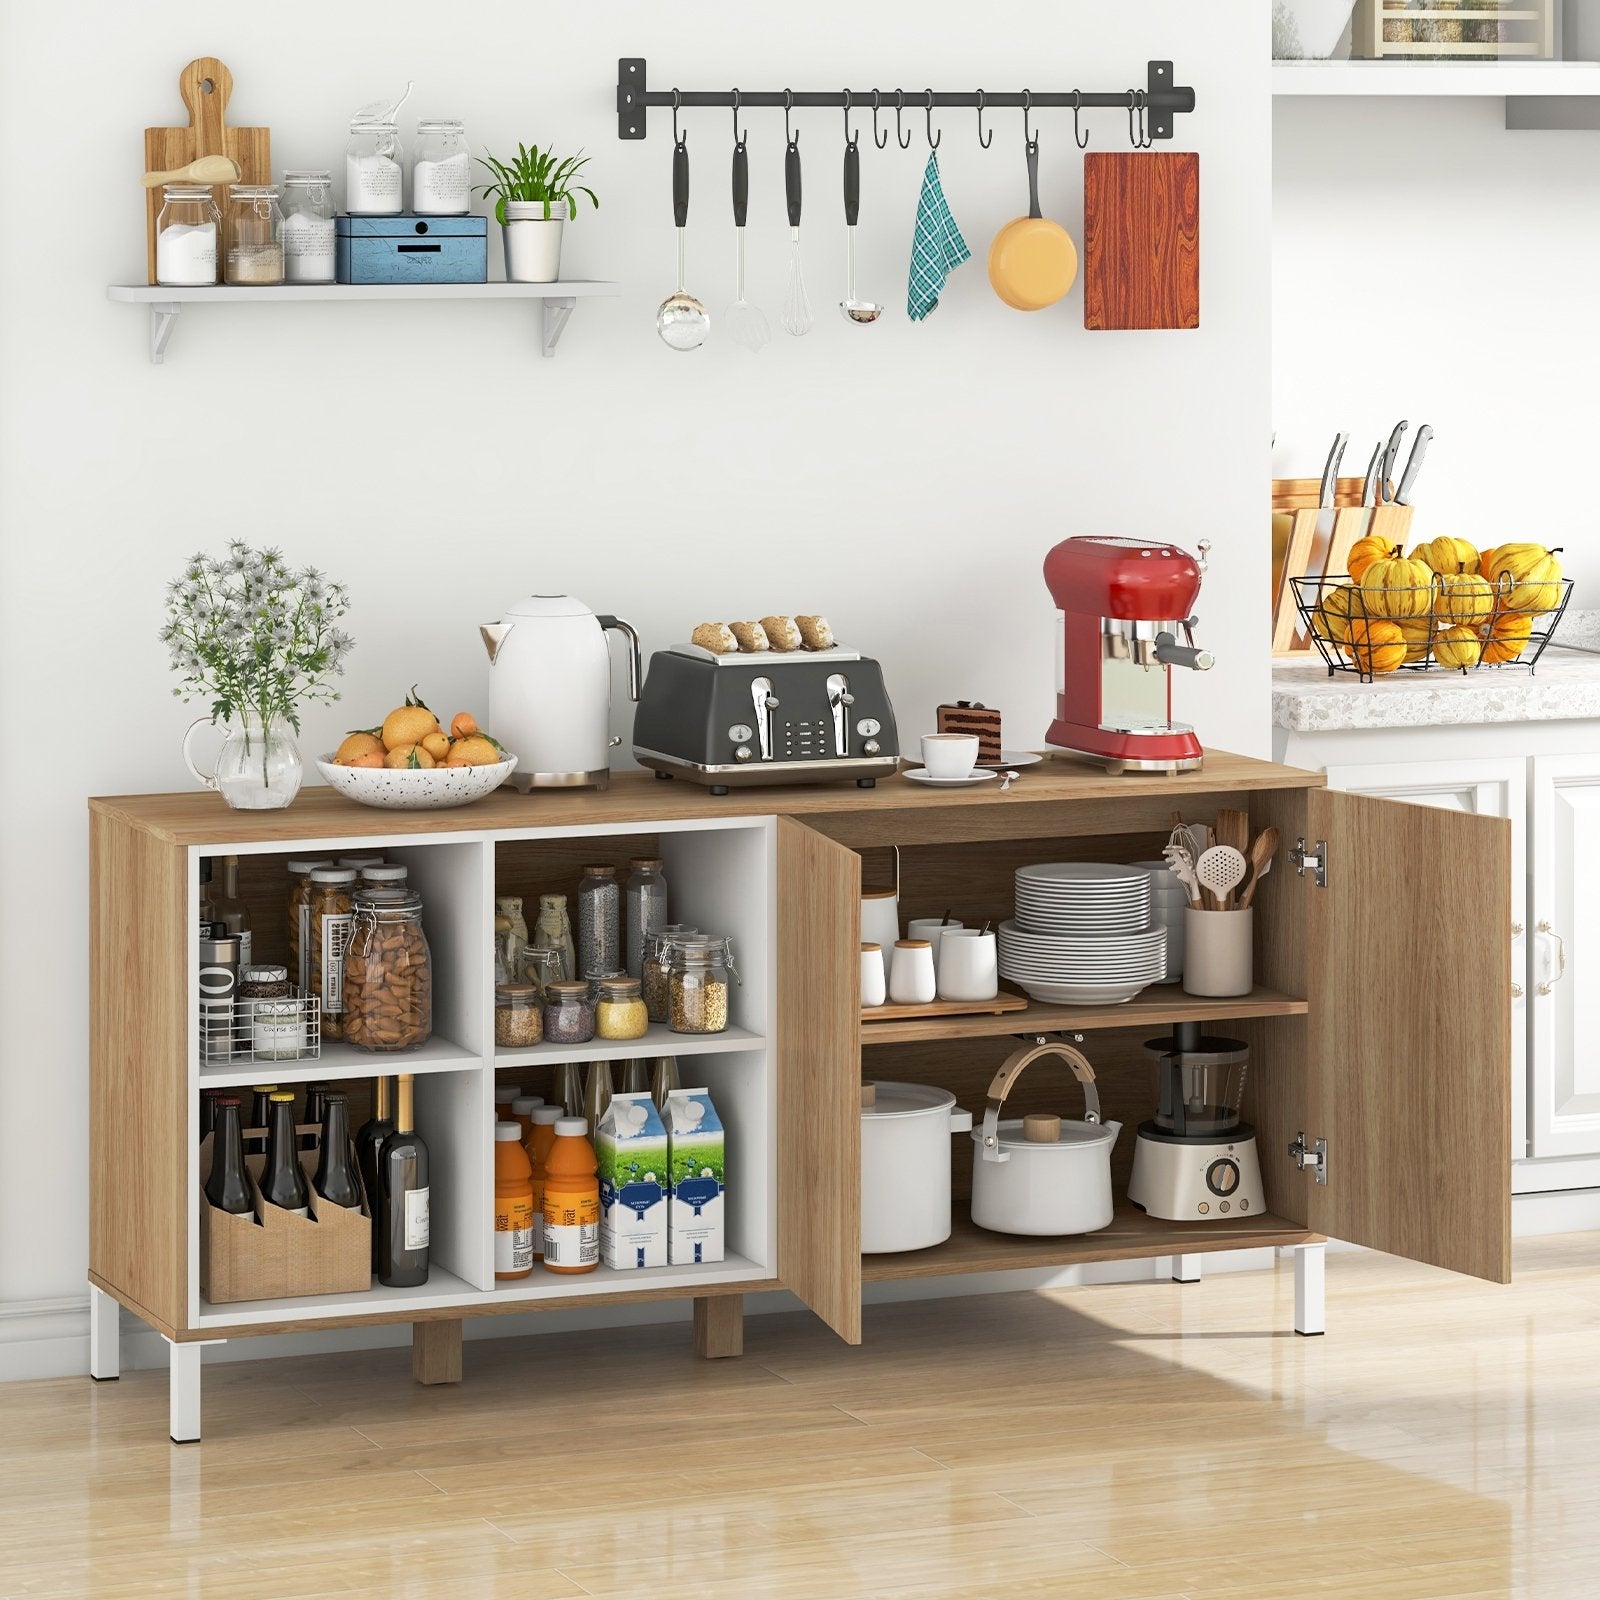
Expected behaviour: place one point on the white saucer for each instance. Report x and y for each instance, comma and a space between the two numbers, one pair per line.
922, 775
1013, 758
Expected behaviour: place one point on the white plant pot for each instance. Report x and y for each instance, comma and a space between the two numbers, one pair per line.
532, 241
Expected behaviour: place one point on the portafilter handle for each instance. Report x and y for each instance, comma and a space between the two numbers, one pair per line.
632, 635
1170, 653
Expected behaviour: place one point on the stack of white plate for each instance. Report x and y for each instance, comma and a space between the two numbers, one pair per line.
1083, 934
1168, 901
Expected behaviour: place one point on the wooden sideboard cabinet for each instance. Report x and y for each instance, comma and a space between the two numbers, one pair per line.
1379, 1029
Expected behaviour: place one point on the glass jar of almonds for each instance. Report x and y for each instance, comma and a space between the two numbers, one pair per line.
388, 973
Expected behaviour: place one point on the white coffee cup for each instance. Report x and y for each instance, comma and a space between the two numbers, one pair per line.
933, 929
874, 981
949, 755
967, 965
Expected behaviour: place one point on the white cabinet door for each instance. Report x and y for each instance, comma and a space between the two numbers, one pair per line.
1489, 788
1565, 934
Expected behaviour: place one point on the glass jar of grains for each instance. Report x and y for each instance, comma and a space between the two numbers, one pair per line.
599, 922
255, 248
657, 964
698, 985
620, 1012
187, 232
299, 910
568, 1016
331, 891
388, 973
518, 1015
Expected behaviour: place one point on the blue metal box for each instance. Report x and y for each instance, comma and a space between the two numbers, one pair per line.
410, 249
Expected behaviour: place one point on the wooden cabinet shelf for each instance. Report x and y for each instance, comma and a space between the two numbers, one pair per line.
1156, 1008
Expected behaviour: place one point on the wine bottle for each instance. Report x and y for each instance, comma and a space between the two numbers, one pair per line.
403, 1184
369, 1142
597, 1094
663, 1080
227, 1183
569, 1088
282, 1182
337, 1180
314, 1096
208, 1112
228, 909
635, 1076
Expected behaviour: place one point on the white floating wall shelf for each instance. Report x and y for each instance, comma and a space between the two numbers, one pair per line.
1537, 94
558, 300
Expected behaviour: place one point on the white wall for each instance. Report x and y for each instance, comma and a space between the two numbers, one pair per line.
905, 480
1427, 263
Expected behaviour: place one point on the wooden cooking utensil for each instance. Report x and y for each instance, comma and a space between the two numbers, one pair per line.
1262, 849
1232, 828
1141, 240
211, 170
206, 85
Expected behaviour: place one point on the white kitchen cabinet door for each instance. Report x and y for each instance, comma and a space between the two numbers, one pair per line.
1565, 934
1489, 788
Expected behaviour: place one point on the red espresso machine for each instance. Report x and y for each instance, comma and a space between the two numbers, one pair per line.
1124, 603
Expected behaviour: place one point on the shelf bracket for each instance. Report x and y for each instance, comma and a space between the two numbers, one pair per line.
163, 319
554, 317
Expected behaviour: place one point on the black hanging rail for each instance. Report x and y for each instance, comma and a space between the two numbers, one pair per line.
1158, 102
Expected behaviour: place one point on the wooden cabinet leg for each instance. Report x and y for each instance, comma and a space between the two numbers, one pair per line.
105, 1342
1186, 1269
436, 1351
718, 1326
183, 1392
1309, 1313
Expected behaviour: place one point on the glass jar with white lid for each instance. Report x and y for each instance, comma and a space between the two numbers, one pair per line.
187, 231
441, 178
372, 172
308, 227
255, 251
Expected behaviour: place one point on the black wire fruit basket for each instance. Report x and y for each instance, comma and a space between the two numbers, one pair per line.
1435, 629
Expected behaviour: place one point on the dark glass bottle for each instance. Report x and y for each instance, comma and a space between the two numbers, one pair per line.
369, 1142
261, 1104
227, 1183
337, 1180
314, 1098
208, 1112
402, 1226
282, 1181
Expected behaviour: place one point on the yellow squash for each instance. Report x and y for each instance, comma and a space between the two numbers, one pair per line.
1445, 554
1458, 647
1394, 586
1362, 553
1508, 636
1526, 577
1331, 618
1376, 647
1417, 633
1463, 598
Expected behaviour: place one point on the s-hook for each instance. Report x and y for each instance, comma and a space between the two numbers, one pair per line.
933, 144
899, 106
985, 143
878, 140
788, 106
849, 138
1140, 140
1027, 125
738, 137
677, 100
1081, 139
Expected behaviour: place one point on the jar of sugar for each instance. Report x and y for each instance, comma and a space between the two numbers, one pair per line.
255, 252
307, 232
186, 236
372, 176
440, 169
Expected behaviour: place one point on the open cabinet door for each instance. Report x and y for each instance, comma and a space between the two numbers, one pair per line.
1410, 1031
819, 1075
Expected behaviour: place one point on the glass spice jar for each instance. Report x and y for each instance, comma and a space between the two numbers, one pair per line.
620, 1012
308, 228
388, 973
596, 979
518, 1015
552, 930
599, 922
331, 906
698, 980
646, 910
657, 964
299, 915
187, 233
255, 244
568, 1016
541, 968
382, 875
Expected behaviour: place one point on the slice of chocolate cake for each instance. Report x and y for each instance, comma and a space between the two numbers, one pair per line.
971, 716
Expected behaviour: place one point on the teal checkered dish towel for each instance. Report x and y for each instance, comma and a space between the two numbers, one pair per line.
937, 247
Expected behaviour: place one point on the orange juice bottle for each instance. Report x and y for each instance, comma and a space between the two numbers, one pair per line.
522, 1109
542, 1122
513, 1204
571, 1200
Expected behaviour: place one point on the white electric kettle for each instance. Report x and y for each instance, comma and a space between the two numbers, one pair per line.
550, 690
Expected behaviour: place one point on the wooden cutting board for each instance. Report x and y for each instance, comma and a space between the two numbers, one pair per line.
1141, 240
206, 86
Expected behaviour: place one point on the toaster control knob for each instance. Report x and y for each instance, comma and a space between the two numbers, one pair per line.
868, 727
871, 747
739, 732
742, 753
772, 702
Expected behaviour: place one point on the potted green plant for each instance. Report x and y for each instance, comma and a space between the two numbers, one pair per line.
534, 194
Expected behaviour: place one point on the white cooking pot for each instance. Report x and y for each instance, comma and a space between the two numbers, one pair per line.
1042, 1174
905, 1165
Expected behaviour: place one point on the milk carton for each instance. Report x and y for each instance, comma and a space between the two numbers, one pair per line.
630, 1146
695, 1223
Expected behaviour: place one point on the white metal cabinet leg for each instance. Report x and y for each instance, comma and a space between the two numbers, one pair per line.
105, 1344
1309, 1309
183, 1392
1186, 1269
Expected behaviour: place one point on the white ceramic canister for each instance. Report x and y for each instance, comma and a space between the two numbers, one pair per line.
905, 1165
880, 921
911, 979
933, 929
874, 990
968, 966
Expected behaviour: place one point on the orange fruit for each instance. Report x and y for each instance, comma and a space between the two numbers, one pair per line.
436, 744
409, 758
476, 751
463, 725
408, 724
359, 743
368, 758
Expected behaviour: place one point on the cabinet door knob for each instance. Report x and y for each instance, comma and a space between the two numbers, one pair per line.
1516, 991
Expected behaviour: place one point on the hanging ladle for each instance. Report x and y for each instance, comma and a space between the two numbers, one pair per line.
683, 322
852, 309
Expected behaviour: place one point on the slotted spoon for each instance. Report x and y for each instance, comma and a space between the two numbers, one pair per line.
1220, 871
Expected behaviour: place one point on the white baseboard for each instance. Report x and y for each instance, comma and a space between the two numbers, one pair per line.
1558, 1211
44, 1338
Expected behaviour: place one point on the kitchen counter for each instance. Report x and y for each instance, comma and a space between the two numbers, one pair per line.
1564, 687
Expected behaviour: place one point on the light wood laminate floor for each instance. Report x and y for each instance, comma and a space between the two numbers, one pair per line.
1137, 1442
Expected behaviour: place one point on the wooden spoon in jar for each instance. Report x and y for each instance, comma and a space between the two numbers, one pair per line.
210, 170
1262, 849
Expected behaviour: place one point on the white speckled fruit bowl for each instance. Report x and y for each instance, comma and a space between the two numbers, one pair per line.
431, 789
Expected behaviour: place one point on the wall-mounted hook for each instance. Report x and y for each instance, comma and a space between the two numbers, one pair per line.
899, 106
1082, 139
738, 132
933, 144
849, 138
985, 143
677, 99
1137, 136
1027, 111
877, 139
788, 106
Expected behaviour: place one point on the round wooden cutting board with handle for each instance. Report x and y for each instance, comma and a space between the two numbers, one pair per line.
206, 86
1033, 261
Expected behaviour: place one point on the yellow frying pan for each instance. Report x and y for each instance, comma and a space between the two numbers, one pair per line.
1033, 261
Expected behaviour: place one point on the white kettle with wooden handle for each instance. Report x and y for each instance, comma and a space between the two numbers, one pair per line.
550, 690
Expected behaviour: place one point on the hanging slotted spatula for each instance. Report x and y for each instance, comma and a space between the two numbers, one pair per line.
1219, 872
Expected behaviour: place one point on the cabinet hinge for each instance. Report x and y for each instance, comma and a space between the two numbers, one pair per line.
1312, 1157
1316, 859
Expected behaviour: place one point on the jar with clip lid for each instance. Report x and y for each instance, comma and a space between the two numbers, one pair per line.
372, 173
441, 169
388, 973
657, 964
308, 227
255, 250
187, 231
698, 985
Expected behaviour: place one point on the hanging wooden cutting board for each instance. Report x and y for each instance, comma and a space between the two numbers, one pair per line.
1141, 240
206, 86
